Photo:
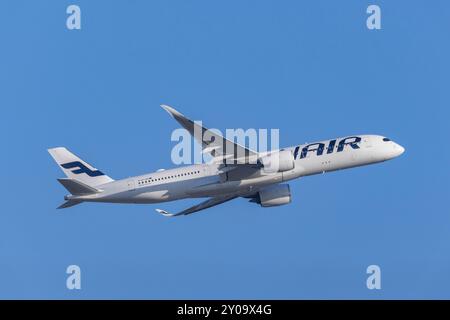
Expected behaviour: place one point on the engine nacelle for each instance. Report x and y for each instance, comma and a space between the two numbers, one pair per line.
275, 195
278, 161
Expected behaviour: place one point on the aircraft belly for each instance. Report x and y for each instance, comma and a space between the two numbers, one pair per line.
152, 196
237, 186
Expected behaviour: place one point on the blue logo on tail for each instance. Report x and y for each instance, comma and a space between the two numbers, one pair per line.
81, 168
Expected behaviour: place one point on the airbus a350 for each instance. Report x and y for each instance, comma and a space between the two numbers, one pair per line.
234, 171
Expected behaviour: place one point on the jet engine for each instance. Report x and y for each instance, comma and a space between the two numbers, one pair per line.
278, 161
275, 195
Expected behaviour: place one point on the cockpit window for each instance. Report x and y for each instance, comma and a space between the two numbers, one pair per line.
386, 139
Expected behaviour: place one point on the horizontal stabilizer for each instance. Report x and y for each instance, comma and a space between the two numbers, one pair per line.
76, 187
69, 203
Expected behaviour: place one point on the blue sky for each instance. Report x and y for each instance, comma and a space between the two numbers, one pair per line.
310, 68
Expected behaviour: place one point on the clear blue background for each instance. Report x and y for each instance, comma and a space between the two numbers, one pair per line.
310, 68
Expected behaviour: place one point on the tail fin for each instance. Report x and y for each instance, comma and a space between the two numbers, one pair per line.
77, 169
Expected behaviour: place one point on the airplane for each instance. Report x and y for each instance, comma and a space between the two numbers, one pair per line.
234, 171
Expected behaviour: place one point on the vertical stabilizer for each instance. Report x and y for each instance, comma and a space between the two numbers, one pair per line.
77, 169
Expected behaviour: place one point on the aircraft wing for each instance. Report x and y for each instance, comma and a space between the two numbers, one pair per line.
211, 202
213, 143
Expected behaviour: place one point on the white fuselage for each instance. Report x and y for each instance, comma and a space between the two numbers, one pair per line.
205, 180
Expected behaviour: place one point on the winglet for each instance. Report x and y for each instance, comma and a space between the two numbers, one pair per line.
171, 111
165, 213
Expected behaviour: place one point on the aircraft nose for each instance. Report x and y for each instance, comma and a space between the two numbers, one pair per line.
398, 149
